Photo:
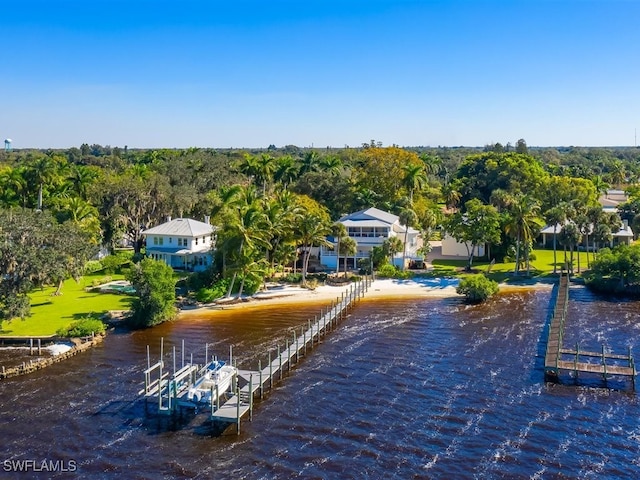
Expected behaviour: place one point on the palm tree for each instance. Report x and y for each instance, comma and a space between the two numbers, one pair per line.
331, 164
81, 178
366, 197
43, 170
602, 235
523, 223
311, 231
249, 268
584, 227
617, 173
451, 195
247, 166
14, 186
281, 212
596, 216
310, 162
570, 237
414, 178
407, 218
247, 233
392, 246
286, 170
266, 166
600, 184
432, 163
339, 232
348, 247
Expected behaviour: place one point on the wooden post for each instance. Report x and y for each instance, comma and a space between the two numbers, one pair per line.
295, 342
217, 397
238, 410
604, 365
270, 372
160, 373
39, 347
575, 363
633, 369
261, 384
304, 340
286, 342
214, 398
182, 353
250, 396
280, 359
31, 346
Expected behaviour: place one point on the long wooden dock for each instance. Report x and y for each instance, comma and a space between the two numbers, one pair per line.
255, 382
170, 390
559, 359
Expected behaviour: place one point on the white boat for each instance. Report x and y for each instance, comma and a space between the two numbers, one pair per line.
216, 379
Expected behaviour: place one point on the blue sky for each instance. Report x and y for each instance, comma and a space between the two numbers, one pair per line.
211, 73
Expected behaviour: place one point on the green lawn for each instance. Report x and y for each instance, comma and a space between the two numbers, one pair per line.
542, 266
49, 313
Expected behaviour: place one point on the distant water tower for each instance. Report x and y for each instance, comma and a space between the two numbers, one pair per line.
7, 145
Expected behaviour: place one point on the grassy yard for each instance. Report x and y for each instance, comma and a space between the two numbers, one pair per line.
49, 313
542, 266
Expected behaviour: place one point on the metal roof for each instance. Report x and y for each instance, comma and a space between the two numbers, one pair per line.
371, 214
181, 227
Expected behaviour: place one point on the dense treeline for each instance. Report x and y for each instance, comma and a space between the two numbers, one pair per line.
271, 205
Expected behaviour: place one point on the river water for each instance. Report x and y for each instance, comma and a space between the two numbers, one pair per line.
427, 388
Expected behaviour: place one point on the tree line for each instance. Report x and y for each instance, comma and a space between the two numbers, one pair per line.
270, 206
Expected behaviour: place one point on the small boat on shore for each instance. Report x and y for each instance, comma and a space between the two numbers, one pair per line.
216, 379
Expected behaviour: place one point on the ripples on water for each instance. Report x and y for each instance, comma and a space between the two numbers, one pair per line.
425, 388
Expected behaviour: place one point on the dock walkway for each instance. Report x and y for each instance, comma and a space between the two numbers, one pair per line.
170, 390
559, 359
252, 382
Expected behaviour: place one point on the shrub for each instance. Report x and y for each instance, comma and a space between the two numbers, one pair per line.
101, 281
292, 278
116, 262
156, 296
204, 279
391, 271
217, 290
82, 328
477, 288
387, 271
93, 266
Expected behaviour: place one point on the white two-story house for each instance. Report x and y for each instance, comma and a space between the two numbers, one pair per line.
182, 243
370, 228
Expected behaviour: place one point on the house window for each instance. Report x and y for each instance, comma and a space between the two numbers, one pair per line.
170, 240
196, 240
155, 240
160, 240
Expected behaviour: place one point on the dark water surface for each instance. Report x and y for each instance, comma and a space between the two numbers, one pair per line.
425, 388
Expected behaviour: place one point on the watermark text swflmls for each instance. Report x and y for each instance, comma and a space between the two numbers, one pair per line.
28, 465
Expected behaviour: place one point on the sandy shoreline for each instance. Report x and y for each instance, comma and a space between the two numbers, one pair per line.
381, 288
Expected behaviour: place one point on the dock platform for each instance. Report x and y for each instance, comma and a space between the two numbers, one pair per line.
170, 390
559, 359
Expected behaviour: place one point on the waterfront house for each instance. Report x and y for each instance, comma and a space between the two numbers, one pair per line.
624, 236
182, 243
610, 201
370, 228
